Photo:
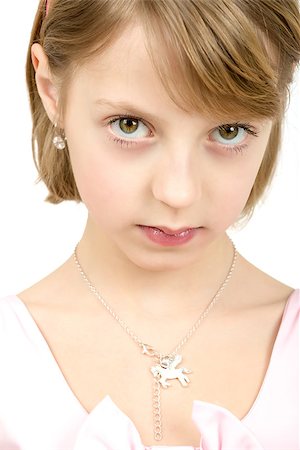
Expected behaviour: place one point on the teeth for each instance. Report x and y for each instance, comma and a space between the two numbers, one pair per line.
182, 234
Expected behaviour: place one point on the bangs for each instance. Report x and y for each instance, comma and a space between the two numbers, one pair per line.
230, 59
211, 58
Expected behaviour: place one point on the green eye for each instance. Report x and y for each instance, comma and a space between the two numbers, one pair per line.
228, 131
128, 125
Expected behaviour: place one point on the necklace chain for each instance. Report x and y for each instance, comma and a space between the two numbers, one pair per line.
149, 350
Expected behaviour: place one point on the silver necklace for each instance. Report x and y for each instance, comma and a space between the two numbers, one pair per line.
166, 364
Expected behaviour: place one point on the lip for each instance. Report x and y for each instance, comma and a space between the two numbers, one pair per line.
173, 232
159, 236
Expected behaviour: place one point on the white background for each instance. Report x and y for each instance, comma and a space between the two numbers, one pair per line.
36, 237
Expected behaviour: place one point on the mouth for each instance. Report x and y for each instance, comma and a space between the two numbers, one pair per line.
167, 237
179, 232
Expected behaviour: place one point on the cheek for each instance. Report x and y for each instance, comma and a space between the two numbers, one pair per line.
102, 182
98, 185
235, 194
231, 193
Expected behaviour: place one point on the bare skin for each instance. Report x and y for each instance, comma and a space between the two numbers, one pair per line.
89, 347
177, 173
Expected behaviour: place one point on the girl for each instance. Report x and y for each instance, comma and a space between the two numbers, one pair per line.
164, 118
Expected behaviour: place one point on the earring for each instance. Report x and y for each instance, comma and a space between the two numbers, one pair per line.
59, 139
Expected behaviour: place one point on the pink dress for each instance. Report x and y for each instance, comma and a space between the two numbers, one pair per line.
39, 411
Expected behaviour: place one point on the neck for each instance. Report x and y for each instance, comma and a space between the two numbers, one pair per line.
185, 289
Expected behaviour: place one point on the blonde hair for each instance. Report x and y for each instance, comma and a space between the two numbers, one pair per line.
231, 56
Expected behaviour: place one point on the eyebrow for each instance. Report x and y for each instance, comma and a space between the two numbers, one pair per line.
128, 108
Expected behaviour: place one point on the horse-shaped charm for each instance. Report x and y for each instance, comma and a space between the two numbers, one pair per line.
166, 370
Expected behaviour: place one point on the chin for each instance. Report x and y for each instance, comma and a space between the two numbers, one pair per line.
163, 262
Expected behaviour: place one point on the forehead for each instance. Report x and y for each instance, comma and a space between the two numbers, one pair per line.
129, 45
124, 70
131, 65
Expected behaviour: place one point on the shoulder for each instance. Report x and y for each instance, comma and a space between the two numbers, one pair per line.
13, 323
257, 299
57, 288
292, 309
259, 288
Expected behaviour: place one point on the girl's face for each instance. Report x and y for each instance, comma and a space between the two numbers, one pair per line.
140, 160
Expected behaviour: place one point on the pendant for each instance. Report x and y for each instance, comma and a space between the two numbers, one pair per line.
166, 370
147, 350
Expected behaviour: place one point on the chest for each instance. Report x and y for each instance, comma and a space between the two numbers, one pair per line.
228, 361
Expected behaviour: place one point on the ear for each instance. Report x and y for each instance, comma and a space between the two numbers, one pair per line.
44, 81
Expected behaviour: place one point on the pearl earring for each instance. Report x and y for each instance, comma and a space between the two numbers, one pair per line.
59, 139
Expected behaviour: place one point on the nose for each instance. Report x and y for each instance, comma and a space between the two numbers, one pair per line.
175, 179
